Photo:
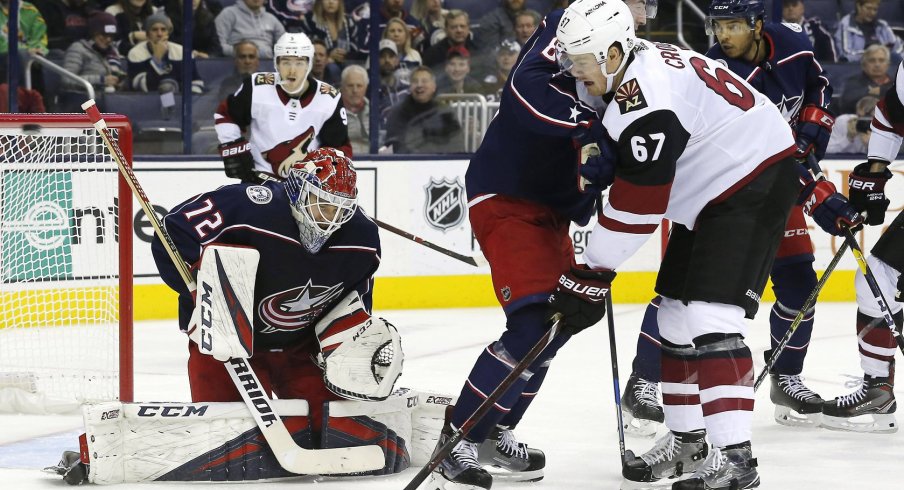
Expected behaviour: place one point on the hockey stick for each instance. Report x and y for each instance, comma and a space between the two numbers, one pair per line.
874, 287
290, 455
484, 407
800, 316
613, 354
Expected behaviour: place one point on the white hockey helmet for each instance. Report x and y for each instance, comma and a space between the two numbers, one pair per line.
293, 44
591, 27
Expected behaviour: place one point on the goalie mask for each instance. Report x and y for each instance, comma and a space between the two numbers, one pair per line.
293, 44
590, 27
322, 192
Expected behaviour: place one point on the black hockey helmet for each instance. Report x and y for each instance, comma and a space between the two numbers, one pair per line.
752, 10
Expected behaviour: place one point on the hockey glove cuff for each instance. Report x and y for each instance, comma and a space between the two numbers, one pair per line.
580, 297
867, 192
237, 160
598, 161
814, 127
830, 209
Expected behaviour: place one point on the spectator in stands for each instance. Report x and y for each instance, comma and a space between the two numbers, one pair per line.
456, 78
499, 23
392, 87
130, 17
247, 61
872, 80
32, 29
67, 21
96, 60
157, 60
458, 36
322, 68
419, 124
353, 90
392, 9
409, 58
852, 131
432, 16
29, 101
823, 44
247, 19
328, 21
290, 13
505, 56
526, 23
862, 28
204, 42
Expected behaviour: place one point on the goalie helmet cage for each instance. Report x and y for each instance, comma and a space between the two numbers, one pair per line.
65, 263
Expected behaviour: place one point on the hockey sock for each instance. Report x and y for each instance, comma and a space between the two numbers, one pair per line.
527, 396
725, 373
648, 358
680, 393
877, 344
792, 284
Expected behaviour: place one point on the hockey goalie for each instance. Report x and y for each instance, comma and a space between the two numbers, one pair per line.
284, 275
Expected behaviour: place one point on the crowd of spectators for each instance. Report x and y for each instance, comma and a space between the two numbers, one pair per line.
136, 46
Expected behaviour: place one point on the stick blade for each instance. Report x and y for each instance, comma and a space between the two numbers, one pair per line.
332, 461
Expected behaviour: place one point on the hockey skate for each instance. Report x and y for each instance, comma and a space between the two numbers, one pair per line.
509, 459
724, 469
869, 409
795, 404
641, 412
460, 470
675, 455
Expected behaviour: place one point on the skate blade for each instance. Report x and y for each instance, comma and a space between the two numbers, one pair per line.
501, 474
639, 427
868, 423
650, 485
437, 482
786, 416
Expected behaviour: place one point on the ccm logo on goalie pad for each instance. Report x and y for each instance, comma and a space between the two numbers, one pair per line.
592, 293
206, 318
172, 410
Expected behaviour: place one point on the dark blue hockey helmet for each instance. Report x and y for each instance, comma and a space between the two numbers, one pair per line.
751, 10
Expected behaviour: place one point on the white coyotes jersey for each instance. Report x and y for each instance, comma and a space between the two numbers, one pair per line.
888, 123
689, 132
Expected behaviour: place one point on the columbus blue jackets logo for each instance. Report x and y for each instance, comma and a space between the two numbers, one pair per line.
445, 206
296, 308
630, 97
259, 194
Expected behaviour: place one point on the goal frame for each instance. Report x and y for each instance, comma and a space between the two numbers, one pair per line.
126, 274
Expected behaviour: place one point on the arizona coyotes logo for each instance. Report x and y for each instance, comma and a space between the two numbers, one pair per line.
290, 152
328, 89
296, 308
265, 79
629, 97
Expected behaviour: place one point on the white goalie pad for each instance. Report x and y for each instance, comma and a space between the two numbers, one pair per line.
222, 322
361, 356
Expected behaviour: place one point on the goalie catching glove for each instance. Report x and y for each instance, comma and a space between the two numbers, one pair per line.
222, 322
361, 356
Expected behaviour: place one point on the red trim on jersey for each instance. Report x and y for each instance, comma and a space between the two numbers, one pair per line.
611, 224
727, 405
677, 399
754, 174
725, 371
639, 199
897, 127
223, 112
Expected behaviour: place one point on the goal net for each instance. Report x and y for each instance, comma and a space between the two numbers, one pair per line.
65, 264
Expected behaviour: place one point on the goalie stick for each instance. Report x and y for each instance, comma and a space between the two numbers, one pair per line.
290, 455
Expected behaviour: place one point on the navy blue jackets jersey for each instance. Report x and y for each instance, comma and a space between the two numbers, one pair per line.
790, 76
293, 288
528, 151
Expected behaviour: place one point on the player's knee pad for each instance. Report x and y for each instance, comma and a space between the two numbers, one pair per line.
524, 328
793, 283
672, 319
887, 278
705, 318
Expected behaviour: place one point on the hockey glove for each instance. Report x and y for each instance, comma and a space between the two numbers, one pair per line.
597, 171
237, 160
580, 297
586, 134
830, 209
814, 127
867, 192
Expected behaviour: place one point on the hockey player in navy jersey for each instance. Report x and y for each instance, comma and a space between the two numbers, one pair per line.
872, 406
318, 254
676, 116
287, 113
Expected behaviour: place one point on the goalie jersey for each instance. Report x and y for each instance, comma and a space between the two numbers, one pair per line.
294, 288
689, 133
281, 126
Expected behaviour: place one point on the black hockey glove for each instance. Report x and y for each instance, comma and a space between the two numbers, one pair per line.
814, 127
830, 209
867, 192
237, 160
598, 160
580, 297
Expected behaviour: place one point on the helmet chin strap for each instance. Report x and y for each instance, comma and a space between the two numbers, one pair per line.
282, 83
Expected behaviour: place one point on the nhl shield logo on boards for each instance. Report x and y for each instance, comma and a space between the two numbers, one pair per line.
445, 206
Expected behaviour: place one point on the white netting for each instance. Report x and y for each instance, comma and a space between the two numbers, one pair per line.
59, 267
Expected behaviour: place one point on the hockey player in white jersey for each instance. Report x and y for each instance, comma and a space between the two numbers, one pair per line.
288, 114
872, 406
699, 146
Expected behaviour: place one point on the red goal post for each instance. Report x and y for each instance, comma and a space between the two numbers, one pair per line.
65, 264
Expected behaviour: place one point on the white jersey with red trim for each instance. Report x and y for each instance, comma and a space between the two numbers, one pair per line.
283, 128
888, 122
689, 133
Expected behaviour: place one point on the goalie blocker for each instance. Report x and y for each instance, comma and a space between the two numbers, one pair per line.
140, 442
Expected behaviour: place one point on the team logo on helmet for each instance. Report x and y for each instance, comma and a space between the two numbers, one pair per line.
630, 97
445, 207
259, 194
296, 308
